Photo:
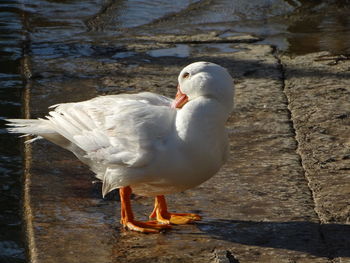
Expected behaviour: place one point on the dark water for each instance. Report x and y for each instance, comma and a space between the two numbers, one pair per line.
44, 30
11, 85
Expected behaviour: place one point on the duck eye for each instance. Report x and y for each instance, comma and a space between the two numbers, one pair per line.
185, 75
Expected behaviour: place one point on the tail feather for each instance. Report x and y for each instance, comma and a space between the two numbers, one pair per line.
29, 126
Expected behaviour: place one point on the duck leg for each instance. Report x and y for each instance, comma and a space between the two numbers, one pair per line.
127, 216
161, 214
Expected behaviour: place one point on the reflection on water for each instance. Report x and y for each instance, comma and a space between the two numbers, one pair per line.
71, 29
132, 13
296, 27
184, 51
320, 25
180, 51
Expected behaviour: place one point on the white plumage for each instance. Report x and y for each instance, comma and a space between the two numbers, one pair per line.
140, 140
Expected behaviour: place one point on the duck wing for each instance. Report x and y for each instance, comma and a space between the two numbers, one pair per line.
117, 129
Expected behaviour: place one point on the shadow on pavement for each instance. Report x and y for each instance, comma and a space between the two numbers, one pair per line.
325, 240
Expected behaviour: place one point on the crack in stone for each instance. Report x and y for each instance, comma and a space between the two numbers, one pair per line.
294, 131
291, 123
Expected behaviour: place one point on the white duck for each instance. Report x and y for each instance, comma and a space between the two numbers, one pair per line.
147, 143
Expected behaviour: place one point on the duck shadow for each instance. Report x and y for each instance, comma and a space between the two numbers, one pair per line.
324, 240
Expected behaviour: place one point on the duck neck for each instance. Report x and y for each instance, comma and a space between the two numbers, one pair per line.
200, 120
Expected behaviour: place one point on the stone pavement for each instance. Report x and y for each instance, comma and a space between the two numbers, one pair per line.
283, 195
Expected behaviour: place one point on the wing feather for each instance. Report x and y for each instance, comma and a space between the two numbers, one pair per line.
116, 129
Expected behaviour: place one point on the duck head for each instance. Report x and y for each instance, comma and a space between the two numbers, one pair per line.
204, 79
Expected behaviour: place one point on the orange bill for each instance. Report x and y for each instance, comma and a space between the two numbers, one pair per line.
180, 99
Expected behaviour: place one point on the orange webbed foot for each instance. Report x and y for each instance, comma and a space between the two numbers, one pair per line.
176, 218
127, 217
183, 218
163, 219
145, 227
161, 214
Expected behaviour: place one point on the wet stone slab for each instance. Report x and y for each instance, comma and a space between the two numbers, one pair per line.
258, 208
318, 88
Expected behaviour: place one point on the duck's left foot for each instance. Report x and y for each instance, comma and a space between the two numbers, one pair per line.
145, 227
161, 214
175, 218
